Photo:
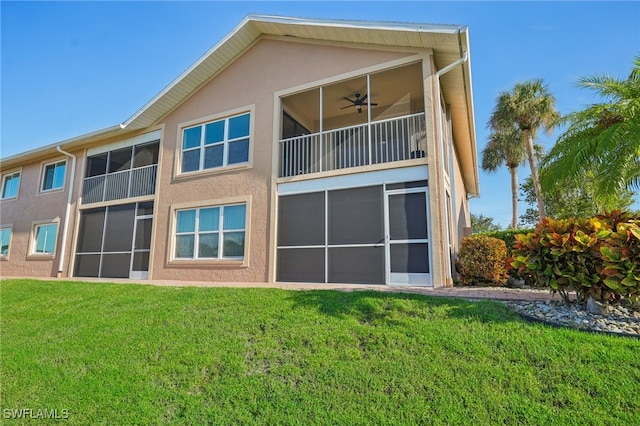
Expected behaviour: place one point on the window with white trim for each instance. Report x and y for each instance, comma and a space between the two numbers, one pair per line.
10, 185
216, 144
44, 240
53, 175
5, 241
214, 232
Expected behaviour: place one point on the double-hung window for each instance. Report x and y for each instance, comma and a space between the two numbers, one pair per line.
45, 236
53, 176
5, 240
216, 144
215, 232
10, 185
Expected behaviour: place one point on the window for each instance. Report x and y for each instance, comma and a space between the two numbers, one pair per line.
5, 239
53, 176
10, 185
216, 144
216, 232
45, 238
291, 128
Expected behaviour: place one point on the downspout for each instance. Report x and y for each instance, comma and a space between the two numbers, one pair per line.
438, 74
450, 67
65, 224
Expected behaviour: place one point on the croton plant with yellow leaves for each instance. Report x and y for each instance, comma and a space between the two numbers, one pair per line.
598, 257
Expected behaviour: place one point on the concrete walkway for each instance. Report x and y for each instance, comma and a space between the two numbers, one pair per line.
490, 293
495, 293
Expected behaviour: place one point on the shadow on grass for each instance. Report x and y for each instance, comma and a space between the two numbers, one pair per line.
373, 306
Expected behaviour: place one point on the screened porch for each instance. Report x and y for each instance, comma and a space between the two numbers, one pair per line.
371, 119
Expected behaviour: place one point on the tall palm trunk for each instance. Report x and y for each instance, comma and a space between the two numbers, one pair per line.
514, 197
528, 142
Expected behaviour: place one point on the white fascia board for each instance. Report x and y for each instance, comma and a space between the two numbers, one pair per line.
188, 71
376, 25
67, 144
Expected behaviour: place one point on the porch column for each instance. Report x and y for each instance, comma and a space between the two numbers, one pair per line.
437, 198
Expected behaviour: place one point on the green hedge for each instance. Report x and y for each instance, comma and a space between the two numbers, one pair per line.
508, 236
597, 257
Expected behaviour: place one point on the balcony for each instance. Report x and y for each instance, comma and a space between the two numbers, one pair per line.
136, 182
383, 141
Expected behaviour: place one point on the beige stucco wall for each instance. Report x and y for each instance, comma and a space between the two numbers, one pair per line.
461, 214
271, 65
33, 206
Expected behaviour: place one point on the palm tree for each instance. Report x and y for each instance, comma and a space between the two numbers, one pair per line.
603, 139
505, 147
531, 107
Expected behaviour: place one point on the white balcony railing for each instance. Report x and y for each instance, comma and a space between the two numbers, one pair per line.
391, 140
115, 186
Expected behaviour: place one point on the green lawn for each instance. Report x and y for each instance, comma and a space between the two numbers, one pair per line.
138, 354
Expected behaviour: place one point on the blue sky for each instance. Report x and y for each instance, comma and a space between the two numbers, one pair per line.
69, 68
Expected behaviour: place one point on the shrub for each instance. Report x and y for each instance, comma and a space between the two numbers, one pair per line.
597, 257
620, 267
509, 238
482, 259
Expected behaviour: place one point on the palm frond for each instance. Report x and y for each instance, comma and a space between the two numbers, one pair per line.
603, 139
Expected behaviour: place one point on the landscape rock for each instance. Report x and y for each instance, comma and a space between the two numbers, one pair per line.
515, 282
597, 308
623, 318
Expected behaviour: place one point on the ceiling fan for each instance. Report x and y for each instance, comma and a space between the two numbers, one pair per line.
359, 102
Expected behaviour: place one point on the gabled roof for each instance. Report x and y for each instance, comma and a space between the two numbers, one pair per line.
447, 41
254, 26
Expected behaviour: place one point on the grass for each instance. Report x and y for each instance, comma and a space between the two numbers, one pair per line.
136, 354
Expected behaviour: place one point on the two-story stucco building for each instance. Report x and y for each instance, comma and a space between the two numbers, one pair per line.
295, 150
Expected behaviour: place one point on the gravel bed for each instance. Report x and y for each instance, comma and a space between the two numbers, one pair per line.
622, 319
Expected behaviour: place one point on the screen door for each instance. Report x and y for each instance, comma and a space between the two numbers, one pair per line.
407, 239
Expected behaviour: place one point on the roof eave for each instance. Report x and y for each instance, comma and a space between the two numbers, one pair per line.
247, 32
359, 24
67, 144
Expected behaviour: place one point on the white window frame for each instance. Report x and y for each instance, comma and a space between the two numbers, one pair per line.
220, 231
225, 142
4, 228
44, 176
34, 238
6, 176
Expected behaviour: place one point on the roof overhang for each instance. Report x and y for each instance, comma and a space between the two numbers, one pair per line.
448, 43
71, 144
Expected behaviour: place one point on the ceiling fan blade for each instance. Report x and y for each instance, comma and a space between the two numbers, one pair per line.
348, 106
353, 102
364, 99
373, 104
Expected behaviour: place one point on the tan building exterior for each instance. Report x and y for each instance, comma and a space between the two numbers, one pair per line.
294, 150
